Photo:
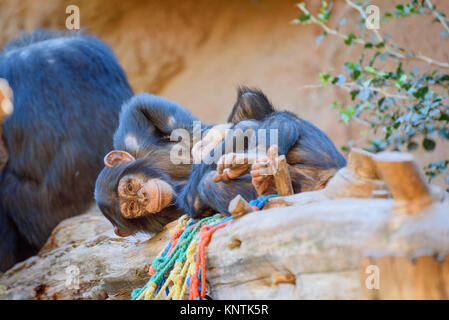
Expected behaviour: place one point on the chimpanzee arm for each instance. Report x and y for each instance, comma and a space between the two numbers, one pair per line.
13, 246
204, 196
281, 129
189, 198
37, 206
149, 119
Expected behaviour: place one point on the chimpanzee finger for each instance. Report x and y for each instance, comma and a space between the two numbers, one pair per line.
225, 162
225, 175
259, 173
258, 166
220, 164
218, 177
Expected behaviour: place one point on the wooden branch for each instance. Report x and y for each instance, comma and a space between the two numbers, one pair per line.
405, 181
359, 179
239, 207
438, 16
387, 48
361, 162
282, 177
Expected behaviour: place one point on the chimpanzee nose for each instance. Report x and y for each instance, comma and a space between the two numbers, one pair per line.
143, 195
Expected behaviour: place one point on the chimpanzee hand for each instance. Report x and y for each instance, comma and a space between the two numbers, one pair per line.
213, 137
233, 165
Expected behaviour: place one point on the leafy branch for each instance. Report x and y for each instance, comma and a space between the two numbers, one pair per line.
399, 105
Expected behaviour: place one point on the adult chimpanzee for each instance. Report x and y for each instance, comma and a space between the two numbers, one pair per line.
68, 89
138, 187
310, 154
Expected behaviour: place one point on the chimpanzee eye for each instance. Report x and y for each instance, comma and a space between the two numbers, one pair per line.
129, 187
132, 206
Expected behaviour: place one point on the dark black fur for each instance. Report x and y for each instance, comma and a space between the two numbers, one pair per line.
250, 104
68, 89
308, 150
148, 120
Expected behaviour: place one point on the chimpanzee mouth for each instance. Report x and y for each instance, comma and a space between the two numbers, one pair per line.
122, 234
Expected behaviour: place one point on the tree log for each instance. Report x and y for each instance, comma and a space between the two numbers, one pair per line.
359, 179
405, 181
318, 248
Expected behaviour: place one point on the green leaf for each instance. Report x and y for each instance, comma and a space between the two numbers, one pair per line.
354, 94
411, 146
325, 77
350, 38
370, 69
428, 144
344, 148
443, 133
303, 18
421, 92
401, 81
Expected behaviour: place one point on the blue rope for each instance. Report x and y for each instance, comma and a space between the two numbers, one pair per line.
261, 200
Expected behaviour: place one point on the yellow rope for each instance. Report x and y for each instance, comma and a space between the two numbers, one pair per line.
176, 283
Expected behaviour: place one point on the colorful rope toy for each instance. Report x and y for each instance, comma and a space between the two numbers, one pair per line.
179, 256
189, 237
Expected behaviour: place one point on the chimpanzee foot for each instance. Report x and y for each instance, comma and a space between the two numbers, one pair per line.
262, 172
262, 177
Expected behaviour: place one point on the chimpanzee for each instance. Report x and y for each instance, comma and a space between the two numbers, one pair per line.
142, 189
138, 187
310, 154
67, 92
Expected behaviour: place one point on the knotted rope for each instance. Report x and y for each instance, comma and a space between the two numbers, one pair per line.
189, 237
179, 256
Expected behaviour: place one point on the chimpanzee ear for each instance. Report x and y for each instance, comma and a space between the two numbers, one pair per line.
117, 157
250, 104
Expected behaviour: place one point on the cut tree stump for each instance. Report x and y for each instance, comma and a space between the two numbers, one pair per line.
359, 179
405, 182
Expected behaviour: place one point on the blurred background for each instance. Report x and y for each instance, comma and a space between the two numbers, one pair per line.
196, 52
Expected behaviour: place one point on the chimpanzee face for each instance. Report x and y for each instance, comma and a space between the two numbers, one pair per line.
129, 192
139, 196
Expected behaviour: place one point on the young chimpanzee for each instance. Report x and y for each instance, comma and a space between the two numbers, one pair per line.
137, 189
67, 92
310, 154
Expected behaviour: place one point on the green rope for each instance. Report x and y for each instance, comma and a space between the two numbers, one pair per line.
178, 254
